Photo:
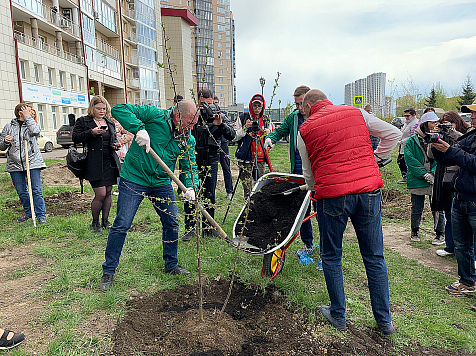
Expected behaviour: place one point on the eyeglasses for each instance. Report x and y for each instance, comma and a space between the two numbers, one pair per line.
256, 105
298, 105
407, 115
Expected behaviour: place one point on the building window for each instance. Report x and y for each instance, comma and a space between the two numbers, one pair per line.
61, 77
221, 28
220, 53
219, 36
40, 116
83, 112
80, 83
22, 70
65, 117
53, 116
219, 44
37, 72
221, 87
220, 62
180, 2
220, 71
50, 76
220, 79
189, 3
222, 96
71, 79
221, 19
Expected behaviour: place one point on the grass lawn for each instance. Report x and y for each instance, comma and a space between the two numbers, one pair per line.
424, 312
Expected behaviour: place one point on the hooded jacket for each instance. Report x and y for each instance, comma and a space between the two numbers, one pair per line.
417, 161
245, 149
29, 130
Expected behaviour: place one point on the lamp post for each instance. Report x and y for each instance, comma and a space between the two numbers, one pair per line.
262, 82
279, 110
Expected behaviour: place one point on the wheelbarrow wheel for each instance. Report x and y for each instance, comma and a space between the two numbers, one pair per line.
271, 263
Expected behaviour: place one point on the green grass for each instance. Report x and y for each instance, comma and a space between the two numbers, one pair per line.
424, 312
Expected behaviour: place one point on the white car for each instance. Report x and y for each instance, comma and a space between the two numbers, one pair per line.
44, 143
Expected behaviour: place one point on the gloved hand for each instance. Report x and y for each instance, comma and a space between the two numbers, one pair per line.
430, 178
143, 140
189, 194
268, 143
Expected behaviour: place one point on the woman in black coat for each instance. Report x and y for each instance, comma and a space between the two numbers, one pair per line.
98, 135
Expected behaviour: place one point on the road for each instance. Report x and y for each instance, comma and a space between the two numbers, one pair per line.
57, 153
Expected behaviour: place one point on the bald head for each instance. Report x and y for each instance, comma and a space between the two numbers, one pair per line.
184, 114
312, 97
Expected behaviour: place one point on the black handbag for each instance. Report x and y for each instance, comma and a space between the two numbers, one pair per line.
76, 162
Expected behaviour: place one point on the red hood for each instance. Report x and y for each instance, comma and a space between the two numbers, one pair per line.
252, 113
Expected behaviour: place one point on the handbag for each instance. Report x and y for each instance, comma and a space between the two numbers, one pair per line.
76, 163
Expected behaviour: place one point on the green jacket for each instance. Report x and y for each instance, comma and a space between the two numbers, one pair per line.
288, 127
415, 160
139, 167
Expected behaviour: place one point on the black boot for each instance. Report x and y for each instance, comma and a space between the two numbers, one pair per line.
96, 226
106, 224
415, 237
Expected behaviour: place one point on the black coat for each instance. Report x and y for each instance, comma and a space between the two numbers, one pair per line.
82, 133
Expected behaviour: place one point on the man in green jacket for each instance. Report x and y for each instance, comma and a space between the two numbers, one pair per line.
290, 126
168, 133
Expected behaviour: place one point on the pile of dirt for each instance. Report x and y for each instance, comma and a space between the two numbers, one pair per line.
67, 203
398, 205
58, 175
270, 217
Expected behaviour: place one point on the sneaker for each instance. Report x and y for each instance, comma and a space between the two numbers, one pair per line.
438, 240
444, 253
212, 233
339, 324
388, 328
229, 196
106, 282
23, 219
319, 266
96, 226
458, 288
402, 181
177, 270
304, 250
106, 224
42, 221
189, 235
6, 344
415, 237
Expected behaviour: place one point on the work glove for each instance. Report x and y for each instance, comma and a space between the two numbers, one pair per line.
143, 140
268, 143
430, 178
189, 194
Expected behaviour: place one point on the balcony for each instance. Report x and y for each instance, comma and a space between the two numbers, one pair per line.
129, 13
133, 83
35, 43
44, 12
107, 48
131, 37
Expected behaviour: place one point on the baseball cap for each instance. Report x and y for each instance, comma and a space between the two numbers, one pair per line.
468, 108
257, 98
429, 116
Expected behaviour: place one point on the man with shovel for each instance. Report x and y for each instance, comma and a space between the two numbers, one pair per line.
167, 132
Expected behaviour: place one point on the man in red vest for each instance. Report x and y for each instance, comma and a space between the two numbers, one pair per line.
339, 165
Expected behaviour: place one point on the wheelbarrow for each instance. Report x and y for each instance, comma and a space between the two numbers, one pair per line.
274, 256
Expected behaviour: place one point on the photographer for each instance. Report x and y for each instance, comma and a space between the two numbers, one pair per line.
208, 131
463, 212
249, 126
421, 176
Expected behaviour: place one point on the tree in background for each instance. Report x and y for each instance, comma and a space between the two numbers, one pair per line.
431, 100
468, 93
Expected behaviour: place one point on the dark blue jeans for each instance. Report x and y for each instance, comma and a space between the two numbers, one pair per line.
463, 215
19, 181
364, 212
209, 187
225, 165
130, 197
306, 227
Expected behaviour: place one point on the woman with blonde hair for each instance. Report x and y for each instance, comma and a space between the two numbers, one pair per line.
97, 133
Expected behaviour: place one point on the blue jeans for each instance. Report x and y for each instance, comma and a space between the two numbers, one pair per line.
209, 187
364, 212
19, 181
225, 165
130, 197
463, 215
306, 227
418, 203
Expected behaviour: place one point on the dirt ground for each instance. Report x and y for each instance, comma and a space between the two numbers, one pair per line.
256, 322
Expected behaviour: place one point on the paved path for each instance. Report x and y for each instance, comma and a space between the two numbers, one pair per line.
57, 153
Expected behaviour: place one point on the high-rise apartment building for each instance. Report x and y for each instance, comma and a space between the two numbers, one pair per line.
372, 91
213, 47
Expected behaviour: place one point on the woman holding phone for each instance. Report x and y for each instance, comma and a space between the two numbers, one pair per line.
98, 135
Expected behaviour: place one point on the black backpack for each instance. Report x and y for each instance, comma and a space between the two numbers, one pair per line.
76, 162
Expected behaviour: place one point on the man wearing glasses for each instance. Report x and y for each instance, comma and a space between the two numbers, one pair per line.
410, 121
290, 126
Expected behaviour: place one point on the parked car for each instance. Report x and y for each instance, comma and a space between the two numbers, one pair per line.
276, 125
44, 143
64, 136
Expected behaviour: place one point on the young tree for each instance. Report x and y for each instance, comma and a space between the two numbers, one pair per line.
468, 93
431, 100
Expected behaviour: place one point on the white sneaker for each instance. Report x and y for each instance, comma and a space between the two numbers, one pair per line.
438, 240
443, 253
229, 196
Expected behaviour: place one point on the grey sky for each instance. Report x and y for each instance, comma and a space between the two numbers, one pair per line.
327, 44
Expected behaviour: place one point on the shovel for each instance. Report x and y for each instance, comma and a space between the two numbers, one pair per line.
183, 188
292, 190
30, 193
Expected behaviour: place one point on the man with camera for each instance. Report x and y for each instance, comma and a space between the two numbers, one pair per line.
463, 212
250, 129
208, 131
407, 130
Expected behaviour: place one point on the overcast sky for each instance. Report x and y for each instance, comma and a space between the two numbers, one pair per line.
327, 44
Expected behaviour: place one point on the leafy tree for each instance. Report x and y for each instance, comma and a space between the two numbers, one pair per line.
468, 93
431, 100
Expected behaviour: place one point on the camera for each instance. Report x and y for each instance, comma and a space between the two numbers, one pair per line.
255, 126
208, 111
443, 133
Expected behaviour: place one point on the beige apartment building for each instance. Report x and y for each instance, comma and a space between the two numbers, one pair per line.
58, 53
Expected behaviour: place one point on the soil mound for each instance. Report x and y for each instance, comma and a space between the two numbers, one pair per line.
58, 175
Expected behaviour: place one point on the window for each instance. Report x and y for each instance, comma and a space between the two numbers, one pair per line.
222, 96
80, 83
219, 44
180, 2
126, 51
75, 112
220, 71
50, 76
189, 3
221, 19
220, 79
22, 70
37, 72
221, 87
83, 112
40, 116
221, 28
228, 56
71, 79
53, 116
219, 36
220, 53
65, 117
61, 77
220, 62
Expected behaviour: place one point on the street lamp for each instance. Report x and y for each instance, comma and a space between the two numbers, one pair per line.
262, 81
279, 110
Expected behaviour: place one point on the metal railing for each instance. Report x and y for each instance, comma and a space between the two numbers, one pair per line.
107, 48
54, 50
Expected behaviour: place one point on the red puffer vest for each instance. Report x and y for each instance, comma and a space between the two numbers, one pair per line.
338, 145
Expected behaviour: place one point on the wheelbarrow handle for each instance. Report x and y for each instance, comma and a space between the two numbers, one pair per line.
183, 188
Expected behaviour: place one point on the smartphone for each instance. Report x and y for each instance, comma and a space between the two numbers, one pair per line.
103, 127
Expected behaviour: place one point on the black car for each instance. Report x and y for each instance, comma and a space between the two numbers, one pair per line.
64, 136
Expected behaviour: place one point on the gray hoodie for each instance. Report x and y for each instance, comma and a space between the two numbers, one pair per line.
29, 131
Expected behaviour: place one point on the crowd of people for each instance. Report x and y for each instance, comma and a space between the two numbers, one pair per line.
436, 157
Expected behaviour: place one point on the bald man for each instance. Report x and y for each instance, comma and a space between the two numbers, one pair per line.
339, 165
